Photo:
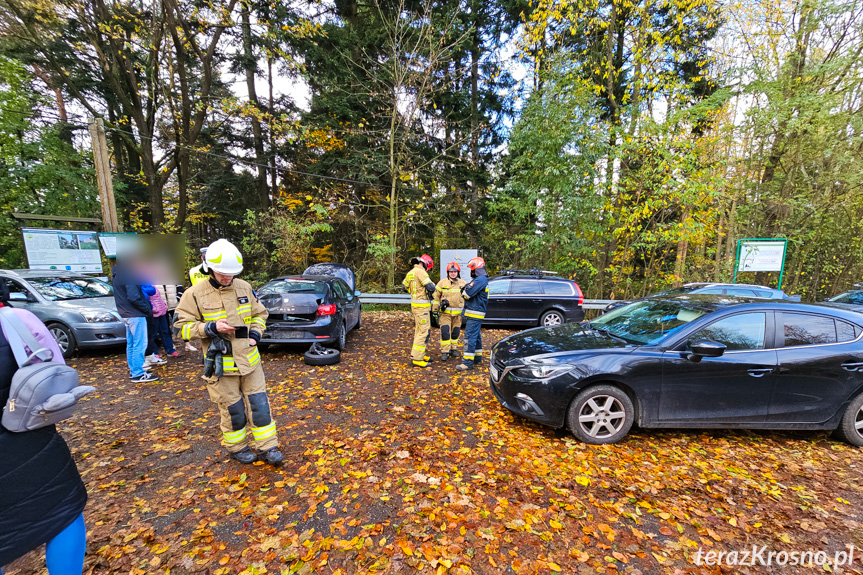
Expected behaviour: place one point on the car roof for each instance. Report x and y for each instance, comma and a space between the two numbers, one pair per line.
720, 284
528, 276
307, 278
718, 301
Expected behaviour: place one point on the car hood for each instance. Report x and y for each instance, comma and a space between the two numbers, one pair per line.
551, 340
87, 303
298, 303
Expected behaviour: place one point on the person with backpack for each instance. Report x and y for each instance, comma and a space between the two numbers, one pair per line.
42, 497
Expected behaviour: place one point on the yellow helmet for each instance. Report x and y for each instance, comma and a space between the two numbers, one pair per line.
224, 257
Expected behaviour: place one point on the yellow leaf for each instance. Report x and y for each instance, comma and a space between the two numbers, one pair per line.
554, 566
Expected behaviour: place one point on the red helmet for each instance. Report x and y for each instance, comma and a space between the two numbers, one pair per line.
427, 261
476, 263
453, 266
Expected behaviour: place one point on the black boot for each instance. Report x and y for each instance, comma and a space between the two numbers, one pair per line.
444, 356
245, 455
273, 456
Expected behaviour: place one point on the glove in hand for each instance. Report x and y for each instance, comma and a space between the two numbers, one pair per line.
444, 303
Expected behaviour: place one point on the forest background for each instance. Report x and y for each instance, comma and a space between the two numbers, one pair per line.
627, 144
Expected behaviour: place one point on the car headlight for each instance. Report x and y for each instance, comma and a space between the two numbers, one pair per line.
542, 370
99, 315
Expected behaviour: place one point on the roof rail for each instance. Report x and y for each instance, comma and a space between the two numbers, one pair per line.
530, 272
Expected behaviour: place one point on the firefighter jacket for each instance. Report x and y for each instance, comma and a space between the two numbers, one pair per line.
415, 282
197, 274
451, 291
476, 296
239, 306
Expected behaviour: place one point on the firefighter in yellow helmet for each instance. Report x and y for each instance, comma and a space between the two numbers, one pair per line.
418, 283
228, 317
448, 296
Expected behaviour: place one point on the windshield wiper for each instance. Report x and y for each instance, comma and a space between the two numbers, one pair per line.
607, 333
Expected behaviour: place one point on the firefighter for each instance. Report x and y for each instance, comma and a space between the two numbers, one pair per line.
475, 303
228, 317
198, 273
422, 289
448, 297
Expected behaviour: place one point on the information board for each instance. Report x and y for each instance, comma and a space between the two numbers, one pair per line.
761, 256
62, 250
461, 257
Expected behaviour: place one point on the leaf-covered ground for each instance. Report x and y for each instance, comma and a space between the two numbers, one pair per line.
390, 469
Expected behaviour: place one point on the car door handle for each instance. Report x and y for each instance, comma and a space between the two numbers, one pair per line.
760, 372
852, 366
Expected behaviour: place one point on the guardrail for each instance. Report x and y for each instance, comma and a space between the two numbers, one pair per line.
405, 299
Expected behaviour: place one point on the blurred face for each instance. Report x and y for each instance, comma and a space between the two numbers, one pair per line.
223, 279
452, 274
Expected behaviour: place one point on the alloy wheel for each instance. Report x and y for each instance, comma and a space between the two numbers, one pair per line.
602, 416
61, 338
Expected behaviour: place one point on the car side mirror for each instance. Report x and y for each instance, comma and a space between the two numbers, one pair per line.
358, 293
18, 296
705, 348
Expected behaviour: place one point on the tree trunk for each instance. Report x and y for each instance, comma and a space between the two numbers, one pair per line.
250, 66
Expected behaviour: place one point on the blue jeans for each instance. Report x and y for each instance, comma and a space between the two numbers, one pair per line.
472, 341
65, 553
136, 344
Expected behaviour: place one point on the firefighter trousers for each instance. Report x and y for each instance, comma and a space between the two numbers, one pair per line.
472, 341
450, 328
242, 401
422, 328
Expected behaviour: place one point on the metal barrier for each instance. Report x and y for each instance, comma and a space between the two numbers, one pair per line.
405, 299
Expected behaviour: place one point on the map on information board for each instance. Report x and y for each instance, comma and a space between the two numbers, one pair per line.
761, 255
76, 251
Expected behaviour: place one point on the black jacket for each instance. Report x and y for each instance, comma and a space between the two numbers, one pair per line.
128, 295
41, 492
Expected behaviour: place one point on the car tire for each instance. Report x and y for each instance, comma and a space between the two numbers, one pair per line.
359, 319
552, 318
263, 347
341, 336
600, 414
851, 425
64, 338
327, 356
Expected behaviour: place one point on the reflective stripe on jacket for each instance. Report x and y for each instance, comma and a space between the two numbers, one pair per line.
415, 282
238, 305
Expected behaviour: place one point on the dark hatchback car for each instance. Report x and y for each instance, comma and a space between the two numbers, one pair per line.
309, 309
705, 288
689, 362
533, 299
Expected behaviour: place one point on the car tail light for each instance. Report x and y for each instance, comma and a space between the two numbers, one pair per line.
580, 294
328, 309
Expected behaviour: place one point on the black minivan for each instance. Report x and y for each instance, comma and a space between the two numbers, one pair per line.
533, 299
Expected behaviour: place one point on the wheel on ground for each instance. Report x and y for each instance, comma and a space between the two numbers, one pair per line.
551, 318
340, 337
322, 356
600, 414
64, 338
263, 346
851, 426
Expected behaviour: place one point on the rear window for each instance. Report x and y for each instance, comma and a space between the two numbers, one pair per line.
525, 287
62, 288
557, 288
294, 286
804, 329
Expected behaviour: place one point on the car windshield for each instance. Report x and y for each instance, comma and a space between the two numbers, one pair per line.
855, 297
678, 290
646, 322
62, 288
294, 286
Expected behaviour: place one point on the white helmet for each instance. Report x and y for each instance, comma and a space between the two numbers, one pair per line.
223, 257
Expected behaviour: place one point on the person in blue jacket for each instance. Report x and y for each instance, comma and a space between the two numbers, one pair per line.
475, 304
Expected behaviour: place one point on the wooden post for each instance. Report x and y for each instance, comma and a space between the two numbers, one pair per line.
110, 222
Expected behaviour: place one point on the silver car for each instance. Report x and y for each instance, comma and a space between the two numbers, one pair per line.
79, 310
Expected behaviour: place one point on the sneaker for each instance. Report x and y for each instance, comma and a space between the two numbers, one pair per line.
175, 354
463, 367
190, 347
245, 455
146, 378
154, 360
273, 456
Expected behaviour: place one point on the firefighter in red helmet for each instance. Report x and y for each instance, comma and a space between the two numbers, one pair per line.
448, 297
422, 289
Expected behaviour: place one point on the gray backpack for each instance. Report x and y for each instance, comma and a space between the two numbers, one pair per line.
42, 392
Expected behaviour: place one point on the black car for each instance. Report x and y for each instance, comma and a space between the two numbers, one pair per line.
741, 290
689, 361
531, 298
852, 298
309, 309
